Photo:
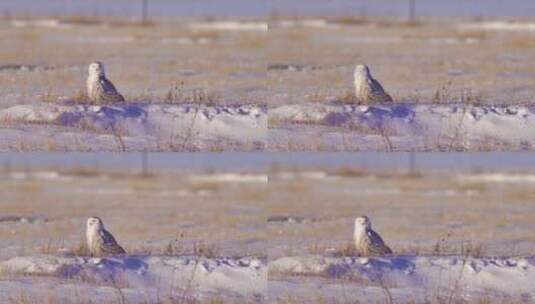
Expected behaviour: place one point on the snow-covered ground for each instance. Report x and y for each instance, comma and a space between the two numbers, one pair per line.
187, 127
415, 279
135, 279
229, 26
134, 127
139, 279
506, 26
404, 126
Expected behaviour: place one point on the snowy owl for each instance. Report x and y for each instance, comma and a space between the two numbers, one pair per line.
99, 89
99, 241
367, 89
367, 241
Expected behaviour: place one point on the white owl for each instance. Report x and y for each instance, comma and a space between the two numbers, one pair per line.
99, 89
99, 241
367, 241
367, 89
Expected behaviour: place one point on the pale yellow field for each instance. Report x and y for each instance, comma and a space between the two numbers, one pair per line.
428, 61
415, 214
146, 214
159, 62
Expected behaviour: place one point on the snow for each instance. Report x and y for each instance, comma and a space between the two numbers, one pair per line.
465, 124
499, 26
142, 125
13, 291
310, 23
155, 275
44, 23
38, 175
229, 26
416, 275
498, 178
319, 175
230, 178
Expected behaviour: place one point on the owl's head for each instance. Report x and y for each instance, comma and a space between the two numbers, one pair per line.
362, 222
94, 223
362, 71
96, 68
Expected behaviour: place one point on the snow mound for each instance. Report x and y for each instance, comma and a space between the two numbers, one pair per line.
471, 276
231, 277
239, 123
464, 122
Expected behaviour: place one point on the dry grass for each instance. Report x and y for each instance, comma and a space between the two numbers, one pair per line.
49, 98
25, 298
389, 50
80, 97
374, 21
390, 199
160, 58
83, 20
348, 97
179, 94
180, 247
133, 202
347, 250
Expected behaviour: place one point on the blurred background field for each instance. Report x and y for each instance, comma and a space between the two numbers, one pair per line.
196, 208
430, 204
307, 200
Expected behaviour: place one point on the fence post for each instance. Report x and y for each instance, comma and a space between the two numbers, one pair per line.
412, 10
144, 10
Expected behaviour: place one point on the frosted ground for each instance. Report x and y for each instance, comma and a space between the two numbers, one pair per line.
177, 254
458, 84
191, 85
458, 236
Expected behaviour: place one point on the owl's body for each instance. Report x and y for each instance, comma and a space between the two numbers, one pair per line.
99, 89
99, 241
367, 241
367, 89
